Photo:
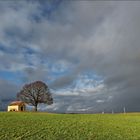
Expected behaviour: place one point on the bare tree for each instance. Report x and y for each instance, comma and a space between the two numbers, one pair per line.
35, 93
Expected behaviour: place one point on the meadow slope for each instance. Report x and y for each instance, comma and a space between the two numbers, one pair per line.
44, 126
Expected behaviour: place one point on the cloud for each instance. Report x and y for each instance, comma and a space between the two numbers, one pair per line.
99, 101
7, 93
58, 42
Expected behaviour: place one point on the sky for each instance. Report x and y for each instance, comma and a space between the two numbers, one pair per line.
87, 52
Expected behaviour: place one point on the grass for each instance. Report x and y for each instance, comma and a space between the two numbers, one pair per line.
43, 126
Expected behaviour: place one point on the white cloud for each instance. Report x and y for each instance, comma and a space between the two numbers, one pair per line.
100, 101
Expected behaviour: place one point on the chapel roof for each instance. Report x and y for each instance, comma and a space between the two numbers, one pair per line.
16, 103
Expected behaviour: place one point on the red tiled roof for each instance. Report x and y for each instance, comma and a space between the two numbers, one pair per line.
17, 103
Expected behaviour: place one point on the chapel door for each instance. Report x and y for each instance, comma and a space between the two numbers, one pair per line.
21, 108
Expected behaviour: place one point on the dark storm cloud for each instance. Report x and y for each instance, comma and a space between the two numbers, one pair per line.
113, 52
8, 93
8, 90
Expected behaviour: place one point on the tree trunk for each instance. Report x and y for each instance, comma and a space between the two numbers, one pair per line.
35, 109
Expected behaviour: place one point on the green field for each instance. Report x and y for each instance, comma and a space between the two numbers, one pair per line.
43, 126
